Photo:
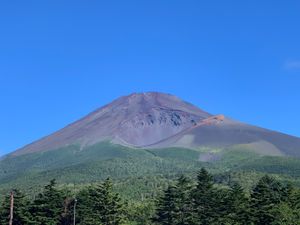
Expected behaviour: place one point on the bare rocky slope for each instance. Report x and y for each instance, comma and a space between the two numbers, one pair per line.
157, 120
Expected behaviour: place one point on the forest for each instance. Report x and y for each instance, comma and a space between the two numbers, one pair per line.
187, 201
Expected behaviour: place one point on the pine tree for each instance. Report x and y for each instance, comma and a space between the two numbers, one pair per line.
220, 207
238, 211
109, 205
285, 215
184, 215
288, 212
174, 207
48, 206
166, 207
20, 213
294, 198
141, 213
265, 196
67, 215
203, 199
100, 205
87, 215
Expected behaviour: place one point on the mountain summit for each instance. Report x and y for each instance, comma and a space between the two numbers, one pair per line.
139, 119
146, 134
157, 120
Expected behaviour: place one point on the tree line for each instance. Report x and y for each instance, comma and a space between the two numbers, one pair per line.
270, 202
96, 205
188, 201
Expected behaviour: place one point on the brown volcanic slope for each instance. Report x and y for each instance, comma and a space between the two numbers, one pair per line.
134, 120
156, 120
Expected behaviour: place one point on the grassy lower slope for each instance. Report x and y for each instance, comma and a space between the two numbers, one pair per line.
75, 165
132, 168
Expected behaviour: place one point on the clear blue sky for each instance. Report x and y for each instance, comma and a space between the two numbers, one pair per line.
59, 60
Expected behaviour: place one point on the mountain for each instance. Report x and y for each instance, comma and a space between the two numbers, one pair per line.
149, 134
157, 120
135, 120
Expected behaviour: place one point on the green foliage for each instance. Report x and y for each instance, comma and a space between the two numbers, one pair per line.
266, 194
97, 205
150, 188
100, 205
203, 198
48, 206
184, 214
201, 201
140, 213
270, 202
174, 206
74, 165
275, 165
238, 207
284, 214
166, 207
21, 215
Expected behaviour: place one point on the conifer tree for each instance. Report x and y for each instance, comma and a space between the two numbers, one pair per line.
285, 215
265, 196
100, 205
48, 206
174, 207
184, 215
68, 210
220, 207
141, 213
21, 215
87, 215
166, 207
288, 212
109, 205
238, 211
203, 199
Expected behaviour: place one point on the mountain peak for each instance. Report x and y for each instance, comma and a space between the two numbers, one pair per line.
151, 96
148, 94
153, 119
140, 102
148, 97
138, 119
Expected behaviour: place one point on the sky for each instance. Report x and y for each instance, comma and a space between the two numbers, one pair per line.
60, 60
